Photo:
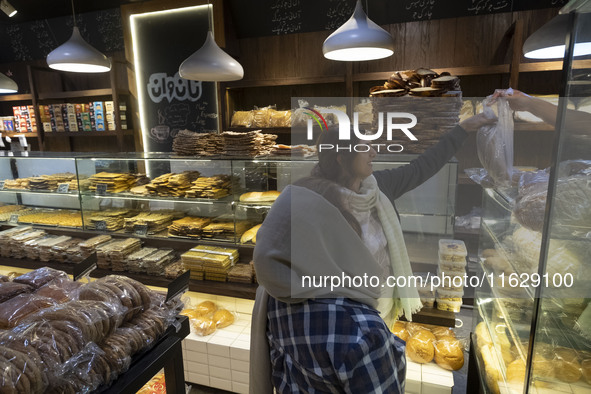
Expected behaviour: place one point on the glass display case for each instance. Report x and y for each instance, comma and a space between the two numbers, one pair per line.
205, 198
532, 318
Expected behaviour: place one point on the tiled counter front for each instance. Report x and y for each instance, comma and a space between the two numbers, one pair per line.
221, 360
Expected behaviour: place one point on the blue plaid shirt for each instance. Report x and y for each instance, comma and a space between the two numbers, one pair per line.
333, 346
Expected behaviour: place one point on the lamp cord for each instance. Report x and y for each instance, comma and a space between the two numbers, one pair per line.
74, 14
209, 17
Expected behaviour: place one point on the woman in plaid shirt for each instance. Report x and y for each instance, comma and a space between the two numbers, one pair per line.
340, 221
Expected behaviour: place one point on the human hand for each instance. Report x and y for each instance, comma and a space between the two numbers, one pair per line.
475, 122
518, 101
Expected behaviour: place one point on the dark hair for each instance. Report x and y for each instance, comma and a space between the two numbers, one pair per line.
333, 171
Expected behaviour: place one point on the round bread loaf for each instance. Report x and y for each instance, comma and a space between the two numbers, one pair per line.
223, 318
399, 329
205, 308
516, 371
449, 353
204, 326
419, 347
440, 332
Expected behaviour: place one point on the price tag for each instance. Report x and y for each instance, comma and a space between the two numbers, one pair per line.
101, 189
140, 229
13, 219
101, 225
63, 188
23, 141
1, 185
178, 286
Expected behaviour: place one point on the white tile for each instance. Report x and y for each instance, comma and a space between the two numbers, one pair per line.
196, 346
240, 388
230, 336
413, 382
239, 365
240, 344
434, 369
218, 361
220, 383
242, 322
219, 347
428, 388
240, 377
222, 299
197, 378
240, 354
194, 367
234, 328
220, 373
245, 309
438, 380
244, 338
412, 366
196, 357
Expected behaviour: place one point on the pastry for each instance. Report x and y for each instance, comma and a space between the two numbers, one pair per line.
449, 353
203, 326
419, 347
223, 318
399, 329
206, 308
250, 235
516, 371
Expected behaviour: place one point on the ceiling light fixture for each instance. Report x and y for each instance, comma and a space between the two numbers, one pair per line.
7, 85
76, 55
358, 39
548, 41
210, 62
8, 8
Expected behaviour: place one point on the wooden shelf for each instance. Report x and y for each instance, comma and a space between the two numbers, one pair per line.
285, 82
526, 126
471, 70
75, 94
266, 130
12, 134
16, 97
106, 133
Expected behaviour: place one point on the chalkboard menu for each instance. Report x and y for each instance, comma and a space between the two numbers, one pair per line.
35, 39
276, 17
169, 103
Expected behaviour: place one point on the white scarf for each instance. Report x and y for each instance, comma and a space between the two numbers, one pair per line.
406, 299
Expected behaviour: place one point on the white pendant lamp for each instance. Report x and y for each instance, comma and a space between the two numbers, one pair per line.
7, 85
358, 39
76, 55
548, 41
211, 63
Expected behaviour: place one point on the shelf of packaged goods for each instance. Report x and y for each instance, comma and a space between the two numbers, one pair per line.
106, 133
16, 97
128, 196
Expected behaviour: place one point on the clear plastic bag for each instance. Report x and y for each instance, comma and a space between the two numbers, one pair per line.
495, 142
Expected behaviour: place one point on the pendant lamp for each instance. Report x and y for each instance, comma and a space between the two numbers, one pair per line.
211, 63
7, 85
548, 41
358, 39
76, 55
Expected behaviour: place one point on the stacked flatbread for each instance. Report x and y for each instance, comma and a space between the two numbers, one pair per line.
174, 270
136, 259
215, 187
114, 218
46, 251
188, 227
6, 235
171, 184
293, 150
42, 183
155, 263
209, 262
116, 183
53, 218
8, 210
190, 143
19, 183
226, 229
112, 255
247, 144
240, 273
59, 252
156, 221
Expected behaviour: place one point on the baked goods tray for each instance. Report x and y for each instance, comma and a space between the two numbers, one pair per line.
165, 353
150, 197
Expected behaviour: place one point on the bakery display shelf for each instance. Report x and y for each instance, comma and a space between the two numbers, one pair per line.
128, 196
267, 130
166, 353
13, 134
52, 192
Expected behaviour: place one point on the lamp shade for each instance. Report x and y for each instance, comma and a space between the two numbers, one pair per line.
7, 85
358, 39
548, 42
211, 63
77, 55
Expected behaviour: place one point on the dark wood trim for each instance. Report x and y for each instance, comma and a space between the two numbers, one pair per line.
16, 97
40, 133
76, 94
106, 133
516, 53
285, 81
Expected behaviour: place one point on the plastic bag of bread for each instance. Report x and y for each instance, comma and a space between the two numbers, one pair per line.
399, 329
242, 119
39, 277
261, 116
19, 307
449, 353
12, 289
60, 289
21, 373
84, 372
203, 325
420, 346
223, 318
495, 143
206, 308
280, 118
299, 118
